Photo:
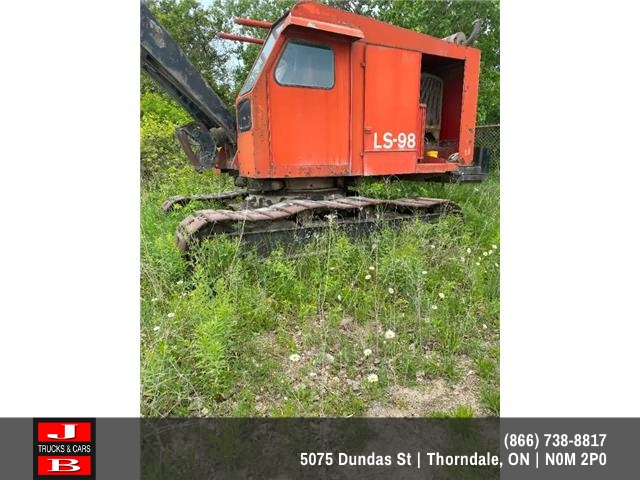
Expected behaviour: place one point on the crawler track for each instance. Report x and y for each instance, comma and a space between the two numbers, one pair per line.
297, 220
171, 202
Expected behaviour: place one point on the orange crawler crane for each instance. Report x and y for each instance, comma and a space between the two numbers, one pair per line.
332, 97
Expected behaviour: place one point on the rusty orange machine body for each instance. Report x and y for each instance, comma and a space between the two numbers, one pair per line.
335, 94
332, 98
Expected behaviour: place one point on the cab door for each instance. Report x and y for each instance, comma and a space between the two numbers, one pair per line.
392, 135
308, 91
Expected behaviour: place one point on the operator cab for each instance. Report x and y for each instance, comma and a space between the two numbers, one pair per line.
301, 81
342, 95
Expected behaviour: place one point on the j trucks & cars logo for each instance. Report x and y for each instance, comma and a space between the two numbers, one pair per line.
64, 447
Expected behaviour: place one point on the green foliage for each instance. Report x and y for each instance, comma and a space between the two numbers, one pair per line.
225, 65
159, 149
490, 398
155, 105
442, 18
436, 18
194, 27
217, 334
245, 54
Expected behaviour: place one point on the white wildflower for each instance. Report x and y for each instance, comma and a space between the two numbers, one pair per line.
433, 246
495, 264
495, 247
339, 298
434, 307
485, 253
441, 295
478, 264
372, 268
171, 314
490, 252
391, 291
462, 259
294, 357
367, 352
372, 378
179, 282
156, 328
424, 272
154, 299
367, 277
468, 251
389, 334
484, 325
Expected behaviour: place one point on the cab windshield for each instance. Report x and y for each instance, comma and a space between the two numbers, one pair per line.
262, 58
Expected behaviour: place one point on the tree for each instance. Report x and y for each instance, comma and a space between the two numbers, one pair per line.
246, 53
194, 27
225, 64
442, 18
436, 18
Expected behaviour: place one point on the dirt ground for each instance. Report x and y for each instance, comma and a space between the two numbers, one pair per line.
432, 396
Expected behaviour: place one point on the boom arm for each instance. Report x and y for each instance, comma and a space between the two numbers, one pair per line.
166, 63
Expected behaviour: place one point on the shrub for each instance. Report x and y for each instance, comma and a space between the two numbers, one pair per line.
159, 149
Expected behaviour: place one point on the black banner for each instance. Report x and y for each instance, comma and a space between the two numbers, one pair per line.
311, 448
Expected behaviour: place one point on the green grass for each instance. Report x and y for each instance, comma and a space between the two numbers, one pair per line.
242, 334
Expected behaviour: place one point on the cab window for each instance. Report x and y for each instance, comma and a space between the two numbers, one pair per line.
306, 65
262, 58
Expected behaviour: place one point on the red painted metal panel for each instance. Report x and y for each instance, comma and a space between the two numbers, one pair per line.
357, 107
381, 33
326, 26
439, 167
469, 106
391, 110
309, 127
422, 125
299, 131
253, 145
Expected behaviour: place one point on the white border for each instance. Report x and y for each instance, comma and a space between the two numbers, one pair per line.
70, 209
70, 227
570, 170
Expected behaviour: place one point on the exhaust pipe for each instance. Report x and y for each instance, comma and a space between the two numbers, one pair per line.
240, 38
459, 38
475, 32
249, 22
